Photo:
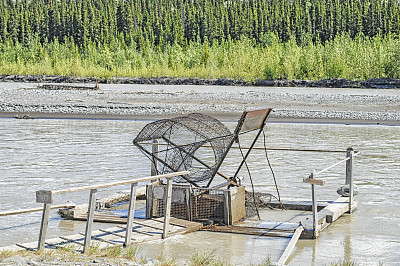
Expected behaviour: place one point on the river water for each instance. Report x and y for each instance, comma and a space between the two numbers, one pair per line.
52, 154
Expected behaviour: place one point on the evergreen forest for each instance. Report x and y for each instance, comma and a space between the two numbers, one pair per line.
241, 39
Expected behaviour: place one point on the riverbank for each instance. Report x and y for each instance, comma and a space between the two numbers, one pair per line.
324, 83
149, 101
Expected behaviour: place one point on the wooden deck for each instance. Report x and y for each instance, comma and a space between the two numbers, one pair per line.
283, 223
143, 230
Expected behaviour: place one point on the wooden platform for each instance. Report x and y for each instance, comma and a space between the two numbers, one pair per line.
283, 223
143, 230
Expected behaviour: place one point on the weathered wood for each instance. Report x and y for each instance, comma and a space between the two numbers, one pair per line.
154, 163
237, 204
314, 211
167, 213
336, 209
89, 222
227, 204
43, 226
349, 177
131, 211
6, 213
314, 181
143, 179
249, 230
142, 231
300, 205
44, 196
188, 203
290, 246
149, 200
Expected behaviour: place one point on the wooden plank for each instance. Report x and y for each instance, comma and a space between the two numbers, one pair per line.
89, 222
167, 213
298, 205
255, 119
314, 181
105, 185
6, 213
249, 231
290, 246
11, 248
99, 238
43, 226
143, 230
336, 209
131, 212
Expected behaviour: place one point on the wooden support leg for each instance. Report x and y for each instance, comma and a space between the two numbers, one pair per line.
154, 163
131, 213
167, 200
349, 177
188, 204
43, 226
314, 211
89, 223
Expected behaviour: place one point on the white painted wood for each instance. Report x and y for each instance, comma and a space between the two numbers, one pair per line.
131, 213
168, 199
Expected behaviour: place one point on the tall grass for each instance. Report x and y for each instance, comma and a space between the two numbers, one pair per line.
343, 57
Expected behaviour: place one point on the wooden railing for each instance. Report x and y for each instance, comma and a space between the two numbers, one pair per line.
46, 197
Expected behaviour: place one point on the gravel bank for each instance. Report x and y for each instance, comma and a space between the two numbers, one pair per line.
369, 106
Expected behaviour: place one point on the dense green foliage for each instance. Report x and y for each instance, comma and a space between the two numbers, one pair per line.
241, 39
343, 57
161, 22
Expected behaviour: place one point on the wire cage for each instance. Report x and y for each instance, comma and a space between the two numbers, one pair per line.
181, 142
198, 204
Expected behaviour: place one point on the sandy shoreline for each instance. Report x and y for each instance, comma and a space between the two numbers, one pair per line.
150, 102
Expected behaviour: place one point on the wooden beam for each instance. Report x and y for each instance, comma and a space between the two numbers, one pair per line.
314, 181
43, 226
336, 209
89, 222
290, 246
105, 185
6, 213
131, 212
167, 214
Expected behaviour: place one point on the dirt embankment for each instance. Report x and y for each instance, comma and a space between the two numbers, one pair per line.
325, 83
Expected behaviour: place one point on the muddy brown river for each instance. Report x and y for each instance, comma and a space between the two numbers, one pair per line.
54, 153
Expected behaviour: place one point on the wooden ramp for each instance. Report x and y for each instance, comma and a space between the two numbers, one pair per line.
142, 231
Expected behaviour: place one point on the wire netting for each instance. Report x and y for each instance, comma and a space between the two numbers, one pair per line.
180, 143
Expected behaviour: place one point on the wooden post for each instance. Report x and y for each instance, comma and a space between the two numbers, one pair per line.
46, 197
314, 208
149, 200
188, 203
349, 176
227, 207
131, 214
167, 213
89, 223
43, 226
154, 163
